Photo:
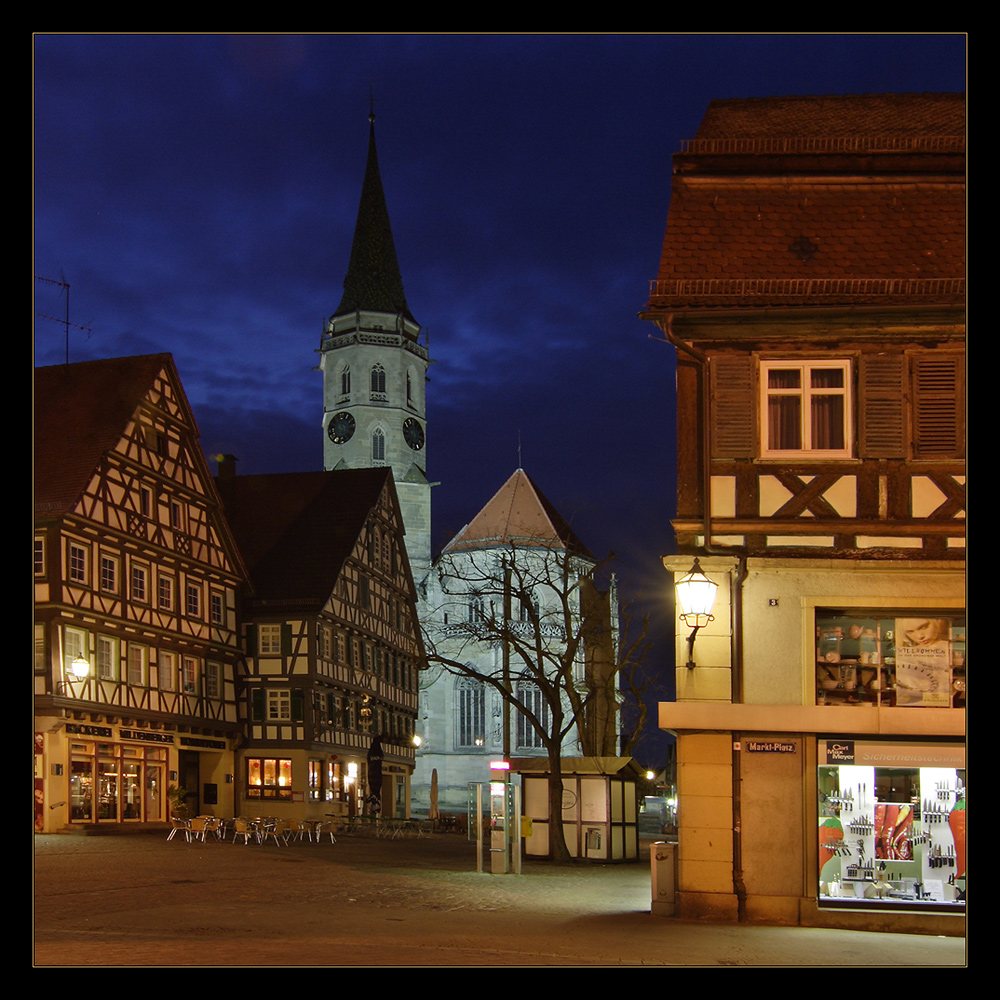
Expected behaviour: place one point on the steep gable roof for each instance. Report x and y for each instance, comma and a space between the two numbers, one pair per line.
81, 412
296, 530
518, 514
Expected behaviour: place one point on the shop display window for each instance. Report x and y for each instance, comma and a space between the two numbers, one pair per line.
904, 659
892, 825
269, 778
116, 783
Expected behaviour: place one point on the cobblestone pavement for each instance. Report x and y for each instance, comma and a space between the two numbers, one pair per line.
137, 900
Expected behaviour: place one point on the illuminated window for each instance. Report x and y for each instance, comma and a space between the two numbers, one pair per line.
269, 778
805, 408
904, 659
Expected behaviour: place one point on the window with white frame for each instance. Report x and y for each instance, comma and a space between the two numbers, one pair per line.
166, 671
279, 705
193, 600
269, 640
213, 680
165, 592
39, 557
806, 408
189, 675
107, 658
217, 608
77, 563
109, 574
74, 647
138, 659
139, 578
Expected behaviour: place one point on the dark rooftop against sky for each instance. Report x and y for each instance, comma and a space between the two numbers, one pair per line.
199, 192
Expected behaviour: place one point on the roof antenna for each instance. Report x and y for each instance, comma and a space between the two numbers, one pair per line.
519, 449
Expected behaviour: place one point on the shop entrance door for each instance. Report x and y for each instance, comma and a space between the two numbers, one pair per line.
189, 778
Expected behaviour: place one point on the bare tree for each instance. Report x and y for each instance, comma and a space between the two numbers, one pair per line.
533, 624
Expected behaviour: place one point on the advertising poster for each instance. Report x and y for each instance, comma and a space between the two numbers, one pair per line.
923, 662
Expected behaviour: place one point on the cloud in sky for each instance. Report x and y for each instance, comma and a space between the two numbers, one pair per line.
199, 192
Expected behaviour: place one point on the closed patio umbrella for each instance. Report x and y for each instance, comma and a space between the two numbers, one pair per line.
375, 755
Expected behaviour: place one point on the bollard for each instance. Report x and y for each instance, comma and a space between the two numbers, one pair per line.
662, 863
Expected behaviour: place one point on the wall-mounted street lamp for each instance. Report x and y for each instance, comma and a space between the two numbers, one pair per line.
695, 597
80, 668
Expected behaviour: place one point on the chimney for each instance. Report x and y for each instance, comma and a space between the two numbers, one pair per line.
227, 466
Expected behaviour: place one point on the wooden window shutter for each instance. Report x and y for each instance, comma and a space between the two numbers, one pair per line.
297, 700
286, 640
733, 406
257, 704
251, 640
882, 406
938, 406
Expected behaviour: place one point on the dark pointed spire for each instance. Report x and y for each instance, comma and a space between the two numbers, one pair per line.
373, 280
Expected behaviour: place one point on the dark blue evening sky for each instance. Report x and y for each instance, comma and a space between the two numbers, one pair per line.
198, 194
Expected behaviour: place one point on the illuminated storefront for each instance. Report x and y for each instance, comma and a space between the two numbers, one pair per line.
89, 774
892, 822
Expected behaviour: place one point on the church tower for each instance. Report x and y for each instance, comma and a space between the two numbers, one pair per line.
374, 371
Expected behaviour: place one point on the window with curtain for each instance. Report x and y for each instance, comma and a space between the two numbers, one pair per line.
806, 408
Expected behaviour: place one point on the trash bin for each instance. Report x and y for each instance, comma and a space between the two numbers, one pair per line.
663, 873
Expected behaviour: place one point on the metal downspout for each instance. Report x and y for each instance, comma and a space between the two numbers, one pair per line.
736, 608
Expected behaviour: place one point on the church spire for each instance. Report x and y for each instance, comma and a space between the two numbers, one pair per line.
373, 282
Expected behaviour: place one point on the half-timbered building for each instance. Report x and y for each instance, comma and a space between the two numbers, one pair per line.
135, 580
812, 282
332, 643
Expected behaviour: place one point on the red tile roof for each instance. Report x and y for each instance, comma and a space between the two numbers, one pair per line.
824, 228
81, 412
518, 514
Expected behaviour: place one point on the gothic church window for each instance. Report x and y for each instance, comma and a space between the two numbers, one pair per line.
378, 446
470, 709
378, 381
345, 380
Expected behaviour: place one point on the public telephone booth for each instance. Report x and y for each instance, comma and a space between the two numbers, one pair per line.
600, 807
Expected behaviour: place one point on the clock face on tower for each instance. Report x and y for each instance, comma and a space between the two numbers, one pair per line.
341, 427
413, 433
